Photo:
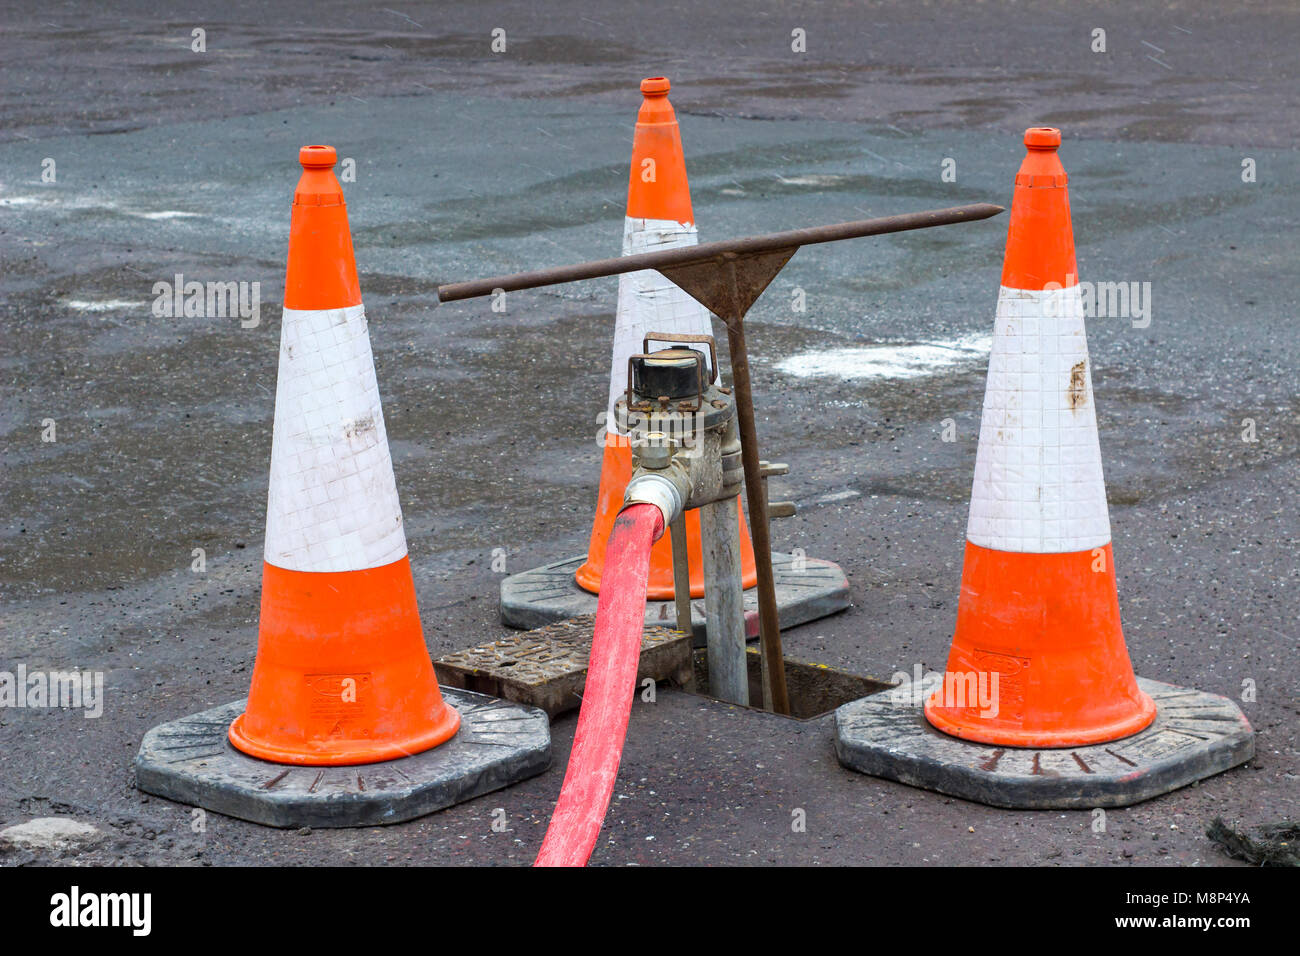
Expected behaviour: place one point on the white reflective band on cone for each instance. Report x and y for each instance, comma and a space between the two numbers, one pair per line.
647, 302
332, 504
1038, 478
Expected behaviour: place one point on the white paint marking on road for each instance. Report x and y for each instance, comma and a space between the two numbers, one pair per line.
102, 305
916, 360
165, 214
813, 179
50, 197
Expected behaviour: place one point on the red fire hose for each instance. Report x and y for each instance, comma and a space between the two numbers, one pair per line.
607, 698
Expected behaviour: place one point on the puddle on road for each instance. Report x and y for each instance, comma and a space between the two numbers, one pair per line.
915, 360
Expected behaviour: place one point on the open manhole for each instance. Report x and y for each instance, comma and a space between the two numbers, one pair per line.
815, 689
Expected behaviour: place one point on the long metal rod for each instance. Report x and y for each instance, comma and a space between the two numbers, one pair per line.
776, 697
707, 251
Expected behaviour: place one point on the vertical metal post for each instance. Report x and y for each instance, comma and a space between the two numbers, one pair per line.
724, 601
682, 590
776, 697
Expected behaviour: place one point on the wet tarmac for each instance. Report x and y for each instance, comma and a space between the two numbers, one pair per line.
469, 164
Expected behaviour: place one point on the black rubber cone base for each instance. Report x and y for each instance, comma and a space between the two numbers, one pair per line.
1195, 735
806, 590
191, 761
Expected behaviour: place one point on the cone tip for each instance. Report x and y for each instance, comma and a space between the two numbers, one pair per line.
317, 157
655, 86
1042, 137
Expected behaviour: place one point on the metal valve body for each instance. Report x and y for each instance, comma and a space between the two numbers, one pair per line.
681, 425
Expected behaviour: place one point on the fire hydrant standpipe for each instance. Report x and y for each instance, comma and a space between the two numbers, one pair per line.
686, 454
727, 277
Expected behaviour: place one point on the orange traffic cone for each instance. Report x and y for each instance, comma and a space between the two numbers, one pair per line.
659, 216
1038, 624
342, 673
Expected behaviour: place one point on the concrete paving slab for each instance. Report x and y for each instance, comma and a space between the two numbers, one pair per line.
547, 667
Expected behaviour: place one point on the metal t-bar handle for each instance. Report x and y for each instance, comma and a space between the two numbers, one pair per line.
687, 255
727, 277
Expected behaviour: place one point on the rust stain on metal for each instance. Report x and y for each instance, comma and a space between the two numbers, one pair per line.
992, 762
1077, 393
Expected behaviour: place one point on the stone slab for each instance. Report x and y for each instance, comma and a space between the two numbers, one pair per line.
547, 667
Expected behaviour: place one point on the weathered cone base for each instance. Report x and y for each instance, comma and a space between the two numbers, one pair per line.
191, 761
548, 594
1195, 735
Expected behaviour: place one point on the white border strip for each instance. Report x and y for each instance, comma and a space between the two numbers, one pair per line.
1038, 477
332, 504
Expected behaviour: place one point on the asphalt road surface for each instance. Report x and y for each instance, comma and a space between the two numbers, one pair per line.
470, 163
